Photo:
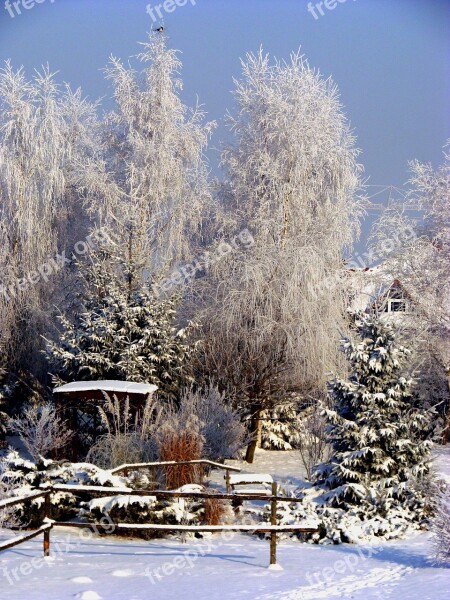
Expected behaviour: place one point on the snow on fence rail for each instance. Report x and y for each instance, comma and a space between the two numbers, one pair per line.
273, 528
111, 491
20, 539
14, 500
169, 463
172, 463
263, 528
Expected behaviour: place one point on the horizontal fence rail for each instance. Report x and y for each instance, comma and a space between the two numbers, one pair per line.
262, 528
105, 491
20, 539
172, 463
22, 499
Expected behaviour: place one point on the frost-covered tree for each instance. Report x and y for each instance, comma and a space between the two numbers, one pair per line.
121, 333
225, 436
149, 182
43, 132
281, 427
41, 431
270, 324
380, 450
3, 394
139, 171
421, 264
441, 524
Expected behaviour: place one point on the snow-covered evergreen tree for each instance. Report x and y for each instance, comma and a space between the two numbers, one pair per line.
281, 427
121, 333
377, 434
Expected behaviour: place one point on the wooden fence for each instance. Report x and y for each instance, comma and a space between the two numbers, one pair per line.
236, 498
43, 529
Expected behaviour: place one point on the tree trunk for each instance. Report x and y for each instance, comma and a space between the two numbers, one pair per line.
254, 424
259, 436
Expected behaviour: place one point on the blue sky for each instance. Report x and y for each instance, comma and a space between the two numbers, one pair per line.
389, 58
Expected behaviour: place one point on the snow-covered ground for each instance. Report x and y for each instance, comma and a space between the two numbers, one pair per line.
89, 567
119, 569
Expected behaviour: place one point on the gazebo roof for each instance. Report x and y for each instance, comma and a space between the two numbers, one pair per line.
121, 387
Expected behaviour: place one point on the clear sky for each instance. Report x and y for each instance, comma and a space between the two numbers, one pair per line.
389, 58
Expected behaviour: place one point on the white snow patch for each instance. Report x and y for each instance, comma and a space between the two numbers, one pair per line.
88, 595
263, 479
107, 386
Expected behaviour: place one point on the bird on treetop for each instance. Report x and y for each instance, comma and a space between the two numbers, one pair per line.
159, 29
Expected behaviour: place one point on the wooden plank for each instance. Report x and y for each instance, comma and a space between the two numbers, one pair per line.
191, 528
47, 509
137, 466
20, 539
251, 479
98, 489
273, 521
104, 491
21, 499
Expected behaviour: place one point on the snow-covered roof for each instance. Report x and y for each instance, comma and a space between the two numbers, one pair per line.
126, 387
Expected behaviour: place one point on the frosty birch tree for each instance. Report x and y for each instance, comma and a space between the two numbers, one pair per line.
422, 266
270, 323
150, 183
43, 130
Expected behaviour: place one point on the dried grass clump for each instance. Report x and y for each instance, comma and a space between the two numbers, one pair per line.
181, 446
217, 512
180, 440
128, 439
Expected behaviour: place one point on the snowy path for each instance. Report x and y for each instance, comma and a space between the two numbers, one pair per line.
285, 468
118, 569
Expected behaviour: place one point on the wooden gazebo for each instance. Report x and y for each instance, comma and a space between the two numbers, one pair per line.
78, 403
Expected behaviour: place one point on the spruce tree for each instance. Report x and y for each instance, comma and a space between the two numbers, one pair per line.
378, 436
123, 332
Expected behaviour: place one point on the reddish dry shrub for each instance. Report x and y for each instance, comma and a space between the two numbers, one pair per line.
216, 511
181, 446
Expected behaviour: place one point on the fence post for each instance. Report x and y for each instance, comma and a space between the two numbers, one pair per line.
273, 521
47, 531
227, 480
